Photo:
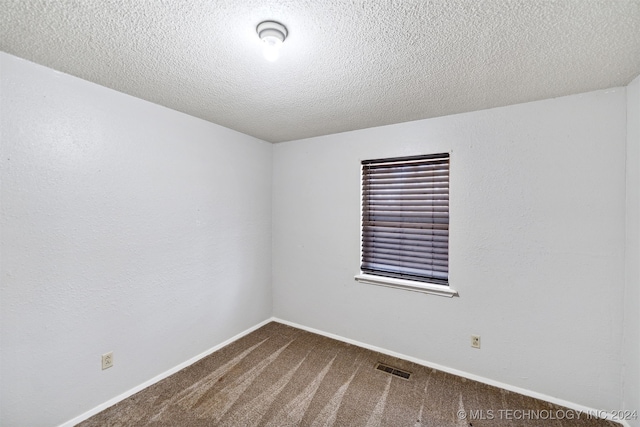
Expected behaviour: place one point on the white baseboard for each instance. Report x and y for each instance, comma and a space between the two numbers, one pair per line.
162, 376
535, 395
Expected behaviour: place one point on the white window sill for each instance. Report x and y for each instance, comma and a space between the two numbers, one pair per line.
409, 285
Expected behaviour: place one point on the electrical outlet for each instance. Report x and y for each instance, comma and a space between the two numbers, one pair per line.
475, 341
107, 360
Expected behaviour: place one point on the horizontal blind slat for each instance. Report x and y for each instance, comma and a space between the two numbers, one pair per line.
399, 231
393, 264
409, 193
417, 225
405, 166
422, 183
386, 179
438, 207
405, 198
407, 259
428, 247
441, 242
406, 205
406, 254
398, 267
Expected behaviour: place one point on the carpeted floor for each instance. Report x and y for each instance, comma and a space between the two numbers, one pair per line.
282, 376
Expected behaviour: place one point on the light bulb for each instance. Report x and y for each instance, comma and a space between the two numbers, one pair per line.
272, 35
271, 48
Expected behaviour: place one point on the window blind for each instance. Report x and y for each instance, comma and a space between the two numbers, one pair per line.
405, 218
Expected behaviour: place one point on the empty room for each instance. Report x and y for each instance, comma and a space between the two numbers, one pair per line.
319, 213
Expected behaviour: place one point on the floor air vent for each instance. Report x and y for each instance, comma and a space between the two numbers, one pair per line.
393, 371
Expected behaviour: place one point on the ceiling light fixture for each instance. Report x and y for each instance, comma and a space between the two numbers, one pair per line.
272, 35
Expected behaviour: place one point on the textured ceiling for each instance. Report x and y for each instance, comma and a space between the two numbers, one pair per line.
346, 64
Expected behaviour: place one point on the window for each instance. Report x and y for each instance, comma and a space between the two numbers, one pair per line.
405, 222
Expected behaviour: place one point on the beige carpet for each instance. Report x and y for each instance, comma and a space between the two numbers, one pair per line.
283, 376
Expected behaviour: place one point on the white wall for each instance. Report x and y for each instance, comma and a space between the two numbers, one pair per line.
631, 350
125, 227
536, 246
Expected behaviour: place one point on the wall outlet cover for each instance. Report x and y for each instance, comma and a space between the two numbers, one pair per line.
475, 341
107, 360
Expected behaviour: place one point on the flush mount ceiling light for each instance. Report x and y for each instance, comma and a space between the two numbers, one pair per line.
272, 34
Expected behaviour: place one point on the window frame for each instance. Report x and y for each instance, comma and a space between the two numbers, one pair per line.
425, 284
